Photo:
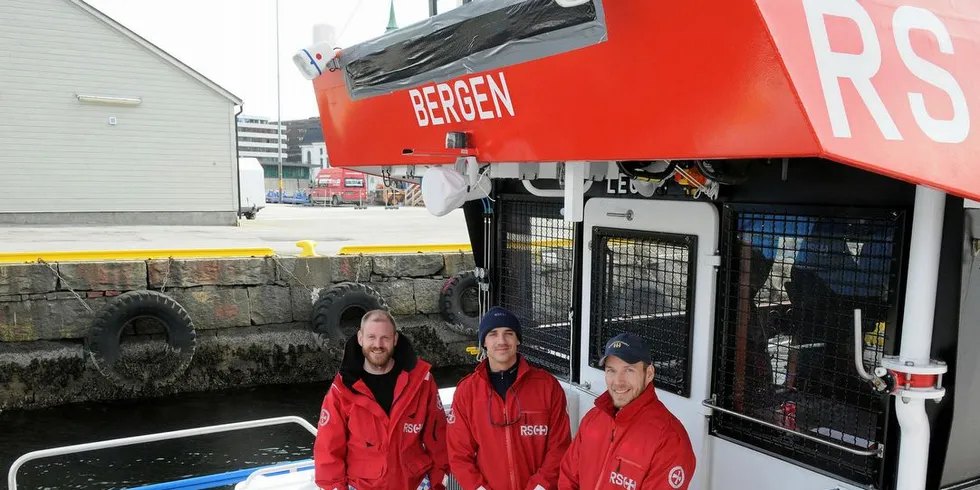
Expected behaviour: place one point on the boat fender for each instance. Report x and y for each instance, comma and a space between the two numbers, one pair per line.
153, 367
451, 303
337, 312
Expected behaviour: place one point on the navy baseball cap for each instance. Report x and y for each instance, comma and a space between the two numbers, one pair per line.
628, 347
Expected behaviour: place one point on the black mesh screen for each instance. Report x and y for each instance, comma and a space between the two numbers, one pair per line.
535, 261
789, 284
643, 283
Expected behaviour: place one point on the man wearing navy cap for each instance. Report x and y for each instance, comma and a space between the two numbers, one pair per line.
508, 428
629, 440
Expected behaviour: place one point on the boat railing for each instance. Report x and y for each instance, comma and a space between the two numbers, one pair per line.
275, 470
160, 436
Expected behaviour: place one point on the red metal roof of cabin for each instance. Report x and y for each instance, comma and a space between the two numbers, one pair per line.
678, 80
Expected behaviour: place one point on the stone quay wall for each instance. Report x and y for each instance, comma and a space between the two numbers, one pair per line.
252, 317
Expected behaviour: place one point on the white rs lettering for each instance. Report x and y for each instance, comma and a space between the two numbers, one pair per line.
621, 480
859, 68
413, 428
954, 130
463, 100
534, 430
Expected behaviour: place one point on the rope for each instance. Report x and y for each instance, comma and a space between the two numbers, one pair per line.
65, 283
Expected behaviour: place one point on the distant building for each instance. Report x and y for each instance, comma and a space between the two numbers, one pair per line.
314, 152
100, 126
296, 131
258, 138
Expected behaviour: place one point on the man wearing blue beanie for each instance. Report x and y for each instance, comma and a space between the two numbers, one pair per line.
508, 427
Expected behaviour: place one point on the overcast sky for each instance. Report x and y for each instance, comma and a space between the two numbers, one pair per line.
233, 42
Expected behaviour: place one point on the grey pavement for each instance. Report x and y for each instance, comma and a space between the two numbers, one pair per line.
278, 226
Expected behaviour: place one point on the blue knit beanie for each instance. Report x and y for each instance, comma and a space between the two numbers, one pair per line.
497, 317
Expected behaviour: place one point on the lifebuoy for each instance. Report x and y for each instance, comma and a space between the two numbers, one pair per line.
458, 308
146, 365
337, 313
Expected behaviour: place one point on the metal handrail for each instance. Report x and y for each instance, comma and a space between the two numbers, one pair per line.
290, 468
160, 436
877, 451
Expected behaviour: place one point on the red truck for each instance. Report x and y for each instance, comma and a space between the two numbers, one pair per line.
338, 186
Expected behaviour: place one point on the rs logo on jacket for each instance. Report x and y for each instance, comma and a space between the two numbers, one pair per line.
359, 446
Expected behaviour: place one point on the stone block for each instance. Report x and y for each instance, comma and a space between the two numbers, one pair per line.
18, 321
211, 272
427, 294
102, 276
408, 265
270, 305
356, 268
400, 295
302, 300
47, 320
458, 262
307, 271
215, 307
26, 279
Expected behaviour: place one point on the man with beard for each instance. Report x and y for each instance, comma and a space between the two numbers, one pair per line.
629, 439
508, 428
382, 425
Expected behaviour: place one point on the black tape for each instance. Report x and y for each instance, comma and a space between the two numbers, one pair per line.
447, 45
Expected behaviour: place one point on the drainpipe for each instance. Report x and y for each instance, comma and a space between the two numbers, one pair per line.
238, 176
916, 346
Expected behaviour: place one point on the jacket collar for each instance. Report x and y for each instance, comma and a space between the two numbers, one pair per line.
483, 369
352, 365
625, 414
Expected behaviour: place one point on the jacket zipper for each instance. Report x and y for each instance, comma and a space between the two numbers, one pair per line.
510, 448
605, 461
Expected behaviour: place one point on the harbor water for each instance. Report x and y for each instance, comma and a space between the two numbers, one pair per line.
25, 431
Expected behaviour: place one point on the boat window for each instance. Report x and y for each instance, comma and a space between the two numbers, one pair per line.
535, 263
789, 283
643, 284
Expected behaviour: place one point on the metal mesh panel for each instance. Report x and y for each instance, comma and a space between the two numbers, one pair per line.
789, 285
535, 262
643, 284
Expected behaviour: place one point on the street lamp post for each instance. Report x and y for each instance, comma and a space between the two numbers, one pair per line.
278, 105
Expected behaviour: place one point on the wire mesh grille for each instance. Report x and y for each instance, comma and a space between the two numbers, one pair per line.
789, 285
535, 262
643, 284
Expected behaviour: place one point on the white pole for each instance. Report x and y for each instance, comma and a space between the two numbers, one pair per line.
278, 105
917, 324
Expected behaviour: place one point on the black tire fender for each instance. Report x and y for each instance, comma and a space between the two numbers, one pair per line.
451, 303
338, 310
103, 343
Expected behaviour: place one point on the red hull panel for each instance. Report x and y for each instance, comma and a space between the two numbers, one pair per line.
673, 82
900, 148
678, 84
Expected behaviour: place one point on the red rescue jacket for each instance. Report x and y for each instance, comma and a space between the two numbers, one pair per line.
522, 456
358, 444
642, 447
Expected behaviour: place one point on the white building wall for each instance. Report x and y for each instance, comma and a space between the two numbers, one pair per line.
172, 154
